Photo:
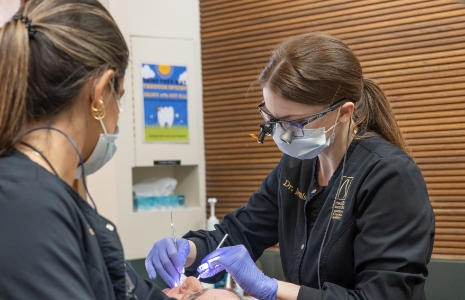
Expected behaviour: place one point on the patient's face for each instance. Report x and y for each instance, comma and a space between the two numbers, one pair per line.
192, 288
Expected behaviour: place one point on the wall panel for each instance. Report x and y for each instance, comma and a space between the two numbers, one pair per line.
413, 48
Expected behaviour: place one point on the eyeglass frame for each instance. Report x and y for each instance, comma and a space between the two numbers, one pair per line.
310, 118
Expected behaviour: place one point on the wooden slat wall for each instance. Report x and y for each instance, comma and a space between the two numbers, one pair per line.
413, 48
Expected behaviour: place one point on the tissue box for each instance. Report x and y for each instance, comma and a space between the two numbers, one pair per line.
159, 203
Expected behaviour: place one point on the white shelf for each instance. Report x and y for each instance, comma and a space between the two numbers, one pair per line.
187, 176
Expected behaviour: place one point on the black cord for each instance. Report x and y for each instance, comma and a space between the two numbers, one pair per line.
81, 161
130, 267
332, 210
84, 183
42, 155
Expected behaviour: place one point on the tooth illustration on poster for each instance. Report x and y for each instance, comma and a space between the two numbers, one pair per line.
165, 116
164, 90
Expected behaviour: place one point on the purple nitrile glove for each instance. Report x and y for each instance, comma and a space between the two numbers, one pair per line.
236, 261
167, 261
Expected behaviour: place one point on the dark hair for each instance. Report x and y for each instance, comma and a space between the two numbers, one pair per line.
319, 69
41, 74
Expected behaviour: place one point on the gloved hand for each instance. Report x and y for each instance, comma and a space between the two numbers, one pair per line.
167, 261
237, 262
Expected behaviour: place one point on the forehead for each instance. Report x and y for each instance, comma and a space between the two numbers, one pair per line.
218, 294
282, 108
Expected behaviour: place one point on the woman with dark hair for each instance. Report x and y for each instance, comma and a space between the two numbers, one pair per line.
347, 204
62, 66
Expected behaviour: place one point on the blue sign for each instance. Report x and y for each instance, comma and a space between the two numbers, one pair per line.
164, 89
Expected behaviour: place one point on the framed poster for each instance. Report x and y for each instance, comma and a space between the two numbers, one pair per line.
164, 90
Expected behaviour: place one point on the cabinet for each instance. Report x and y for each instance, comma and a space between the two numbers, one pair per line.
186, 176
135, 158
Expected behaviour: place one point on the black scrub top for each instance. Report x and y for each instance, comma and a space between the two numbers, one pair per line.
380, 235
53, 245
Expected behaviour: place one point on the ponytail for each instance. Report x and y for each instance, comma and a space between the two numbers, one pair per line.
14, 66
44, 47
373, 115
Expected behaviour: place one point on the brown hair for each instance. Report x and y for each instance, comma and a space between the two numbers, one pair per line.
43, 72
319, 69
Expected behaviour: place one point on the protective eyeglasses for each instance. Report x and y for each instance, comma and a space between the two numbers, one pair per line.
294, 127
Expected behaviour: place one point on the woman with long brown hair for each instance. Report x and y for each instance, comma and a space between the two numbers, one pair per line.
347, 204
62, 66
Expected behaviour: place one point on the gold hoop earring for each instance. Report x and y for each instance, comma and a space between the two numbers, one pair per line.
98, 113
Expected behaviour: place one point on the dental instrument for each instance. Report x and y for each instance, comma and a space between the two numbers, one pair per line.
215, 258
173, 233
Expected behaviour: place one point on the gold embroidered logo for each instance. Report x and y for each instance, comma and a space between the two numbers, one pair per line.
288, 185
298, 193
301, 195
341, 196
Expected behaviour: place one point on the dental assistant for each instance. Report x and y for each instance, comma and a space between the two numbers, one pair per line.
347, 204
62, 66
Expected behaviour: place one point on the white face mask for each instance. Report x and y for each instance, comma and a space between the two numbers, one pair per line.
103, 151
307, 146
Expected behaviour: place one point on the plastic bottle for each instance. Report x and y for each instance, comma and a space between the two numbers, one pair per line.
213, 219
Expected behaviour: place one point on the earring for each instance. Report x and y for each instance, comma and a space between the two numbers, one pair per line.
98, 113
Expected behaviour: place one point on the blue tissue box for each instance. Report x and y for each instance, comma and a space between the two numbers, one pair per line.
159, 203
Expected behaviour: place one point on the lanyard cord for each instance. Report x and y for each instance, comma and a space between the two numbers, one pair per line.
42, 155
334, 201
130, 288
81, 161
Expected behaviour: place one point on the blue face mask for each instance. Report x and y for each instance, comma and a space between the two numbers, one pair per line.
308, 146
103, 151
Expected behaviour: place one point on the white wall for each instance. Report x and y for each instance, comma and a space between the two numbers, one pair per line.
111, 187
8, 9
160, 18
105, 3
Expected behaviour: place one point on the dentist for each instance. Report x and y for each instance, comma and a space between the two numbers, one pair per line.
347, 204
